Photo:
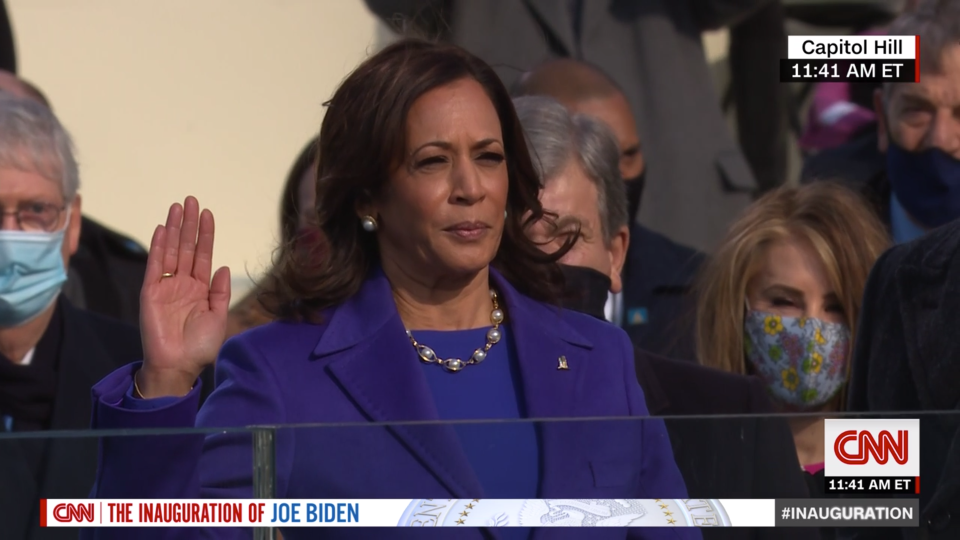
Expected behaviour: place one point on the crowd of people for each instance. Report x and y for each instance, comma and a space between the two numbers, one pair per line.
466, 241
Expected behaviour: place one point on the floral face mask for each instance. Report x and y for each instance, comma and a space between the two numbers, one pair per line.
802, 360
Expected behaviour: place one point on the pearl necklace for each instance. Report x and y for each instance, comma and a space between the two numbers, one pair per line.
455, 364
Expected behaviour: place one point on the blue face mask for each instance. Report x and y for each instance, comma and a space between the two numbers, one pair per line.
927, 184
31, 274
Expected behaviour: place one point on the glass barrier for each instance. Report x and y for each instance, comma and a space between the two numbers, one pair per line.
583, 459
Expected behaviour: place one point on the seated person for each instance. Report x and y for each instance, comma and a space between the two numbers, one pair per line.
106, 272
51, 352
654, 306
297, 224
780, 300
910, 169
907, 358
576, 157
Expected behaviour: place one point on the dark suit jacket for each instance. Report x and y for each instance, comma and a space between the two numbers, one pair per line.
658, 305
697, 178
907, 358
92, 346
106, 273
724, 458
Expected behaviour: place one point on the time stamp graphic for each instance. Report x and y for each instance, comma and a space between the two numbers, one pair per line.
872, 457
851, 59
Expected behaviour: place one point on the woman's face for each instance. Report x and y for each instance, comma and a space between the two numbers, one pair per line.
793, 282
441, 213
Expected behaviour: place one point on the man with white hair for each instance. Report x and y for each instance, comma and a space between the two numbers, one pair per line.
577, 159
106, 272
51, 353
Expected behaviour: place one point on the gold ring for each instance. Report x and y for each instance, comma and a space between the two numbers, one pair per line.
166, 274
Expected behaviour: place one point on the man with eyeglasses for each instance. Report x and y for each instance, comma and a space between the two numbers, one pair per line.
51, 353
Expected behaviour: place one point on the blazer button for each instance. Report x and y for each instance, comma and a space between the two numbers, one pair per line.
938, 521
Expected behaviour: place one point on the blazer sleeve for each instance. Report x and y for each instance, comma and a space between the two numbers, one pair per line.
190, 466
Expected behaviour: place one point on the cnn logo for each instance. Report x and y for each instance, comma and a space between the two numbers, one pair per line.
73, 513
872, 448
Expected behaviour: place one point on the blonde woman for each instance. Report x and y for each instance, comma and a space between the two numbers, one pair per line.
781, 297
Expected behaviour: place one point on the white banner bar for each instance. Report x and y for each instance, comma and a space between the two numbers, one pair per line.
853, 47
408, 512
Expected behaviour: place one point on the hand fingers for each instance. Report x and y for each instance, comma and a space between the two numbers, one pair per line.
155, 256
171, 250
188, 236
203, 258
220, 291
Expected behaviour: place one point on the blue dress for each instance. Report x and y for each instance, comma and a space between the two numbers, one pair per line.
505, 455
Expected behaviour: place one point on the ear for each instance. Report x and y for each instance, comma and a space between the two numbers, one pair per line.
365, 206
71, 240
883, 133
618, 257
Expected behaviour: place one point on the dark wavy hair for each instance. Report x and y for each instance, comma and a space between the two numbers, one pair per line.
361, 140
290, 199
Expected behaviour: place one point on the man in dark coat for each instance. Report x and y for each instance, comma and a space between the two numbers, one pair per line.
732, 457
655, 307
909, 168
51, 353
907, 358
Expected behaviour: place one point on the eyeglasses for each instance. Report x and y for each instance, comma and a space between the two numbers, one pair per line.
36, 216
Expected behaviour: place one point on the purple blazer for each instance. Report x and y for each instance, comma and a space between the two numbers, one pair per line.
358, 367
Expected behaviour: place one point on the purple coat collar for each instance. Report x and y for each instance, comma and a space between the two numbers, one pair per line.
378, 368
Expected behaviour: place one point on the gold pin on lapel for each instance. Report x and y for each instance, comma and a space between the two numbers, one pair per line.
562, 363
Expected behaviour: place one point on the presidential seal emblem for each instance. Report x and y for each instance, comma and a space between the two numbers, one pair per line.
564, 513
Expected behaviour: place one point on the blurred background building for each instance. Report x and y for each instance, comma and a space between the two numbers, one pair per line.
232, 88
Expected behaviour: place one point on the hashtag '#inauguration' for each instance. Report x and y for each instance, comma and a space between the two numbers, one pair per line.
853, 513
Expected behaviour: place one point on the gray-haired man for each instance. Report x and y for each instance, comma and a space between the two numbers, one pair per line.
50, 352
576, 157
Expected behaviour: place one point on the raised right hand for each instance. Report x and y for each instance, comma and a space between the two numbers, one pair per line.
183, 314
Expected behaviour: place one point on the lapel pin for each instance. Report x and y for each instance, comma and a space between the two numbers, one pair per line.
562, 363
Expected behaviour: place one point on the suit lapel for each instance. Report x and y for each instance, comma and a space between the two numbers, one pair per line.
555, 18
381, 372
542, 337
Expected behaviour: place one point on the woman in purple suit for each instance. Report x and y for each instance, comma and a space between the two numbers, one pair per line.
430, 304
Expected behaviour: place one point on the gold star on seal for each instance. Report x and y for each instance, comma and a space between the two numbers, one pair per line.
470, 506
657, 500
460, 521
668, 513
663, 506
672, 521
464, 513
476, 500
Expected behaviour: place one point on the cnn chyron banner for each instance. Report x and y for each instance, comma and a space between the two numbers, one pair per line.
872, 456
406, 513
463, 513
